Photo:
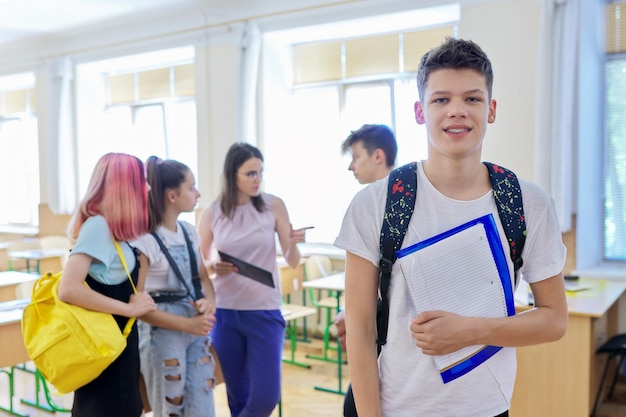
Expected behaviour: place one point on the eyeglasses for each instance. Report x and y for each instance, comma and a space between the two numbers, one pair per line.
252, 175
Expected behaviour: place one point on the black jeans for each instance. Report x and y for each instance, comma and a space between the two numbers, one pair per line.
349, 409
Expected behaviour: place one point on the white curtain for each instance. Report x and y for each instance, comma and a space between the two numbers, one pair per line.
556, 96
61, 172
249, 56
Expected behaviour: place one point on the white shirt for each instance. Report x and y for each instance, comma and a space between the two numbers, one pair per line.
410, 383
161, 277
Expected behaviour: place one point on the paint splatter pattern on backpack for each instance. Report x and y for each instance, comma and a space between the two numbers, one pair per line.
508, 198
400, 210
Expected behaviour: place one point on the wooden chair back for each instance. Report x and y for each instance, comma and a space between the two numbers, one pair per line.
318, 266
291, 279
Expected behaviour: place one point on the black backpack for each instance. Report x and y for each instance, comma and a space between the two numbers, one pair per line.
401, 194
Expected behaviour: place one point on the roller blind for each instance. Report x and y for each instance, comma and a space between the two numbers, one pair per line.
17, 101
615, 134
365, 56
372, 56
317, 62
159, 83
417, 44
616, 27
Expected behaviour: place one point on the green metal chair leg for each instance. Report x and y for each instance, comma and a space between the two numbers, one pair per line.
291, 331
11, 375
41, 386
327, 343
304, 337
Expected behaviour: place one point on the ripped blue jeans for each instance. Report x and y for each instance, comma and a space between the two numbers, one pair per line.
177, 365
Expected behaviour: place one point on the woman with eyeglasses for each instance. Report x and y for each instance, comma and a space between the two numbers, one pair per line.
249, 331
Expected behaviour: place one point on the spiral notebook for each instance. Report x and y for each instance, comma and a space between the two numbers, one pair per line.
464, 271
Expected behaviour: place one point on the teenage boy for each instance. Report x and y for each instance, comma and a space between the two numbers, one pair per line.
453, 187
374, 149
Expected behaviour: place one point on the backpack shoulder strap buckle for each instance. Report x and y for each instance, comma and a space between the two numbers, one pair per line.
385, 265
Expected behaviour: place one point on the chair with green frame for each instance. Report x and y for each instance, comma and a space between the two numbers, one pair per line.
291, 280
318, 266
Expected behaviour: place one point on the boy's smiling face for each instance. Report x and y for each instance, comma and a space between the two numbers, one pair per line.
456, 110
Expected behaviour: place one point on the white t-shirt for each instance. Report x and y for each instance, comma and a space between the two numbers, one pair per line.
161, 277
410, 383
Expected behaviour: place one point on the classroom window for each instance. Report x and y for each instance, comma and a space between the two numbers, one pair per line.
324, 88
142, 104
615, 135
19, 153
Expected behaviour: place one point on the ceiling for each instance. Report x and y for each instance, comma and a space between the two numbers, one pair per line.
31, 30
31, 19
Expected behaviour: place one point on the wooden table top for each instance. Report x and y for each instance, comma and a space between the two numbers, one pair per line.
37, 254
11, 311
596, 300
593, 302
16, 277
334, 282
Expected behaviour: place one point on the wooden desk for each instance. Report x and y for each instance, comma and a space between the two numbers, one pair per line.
336, 283
45, 259
12, 350
562, 378
9, 280
4, 258
13, 353
291, 282
291, 313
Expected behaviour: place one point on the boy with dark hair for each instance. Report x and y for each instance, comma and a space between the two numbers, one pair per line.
453, 187
374, 151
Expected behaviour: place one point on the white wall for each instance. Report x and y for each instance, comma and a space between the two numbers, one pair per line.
217, 69
506, 29
511, 44
508, 32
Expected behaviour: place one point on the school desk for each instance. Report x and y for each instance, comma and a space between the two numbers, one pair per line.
337, 284
291, 280
562, 378
12, 350
4, 258
9, 280
44, 259
13, 358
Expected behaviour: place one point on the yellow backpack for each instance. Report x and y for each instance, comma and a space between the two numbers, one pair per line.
70, 345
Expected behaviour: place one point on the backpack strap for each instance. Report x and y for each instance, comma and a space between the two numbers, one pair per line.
508, 196
171, 261
195, 279
398, 211
399, 207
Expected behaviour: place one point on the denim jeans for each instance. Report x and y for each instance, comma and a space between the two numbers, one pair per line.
191, 376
